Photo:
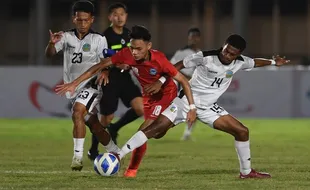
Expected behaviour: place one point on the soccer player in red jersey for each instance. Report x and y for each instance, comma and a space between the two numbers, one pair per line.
148, 66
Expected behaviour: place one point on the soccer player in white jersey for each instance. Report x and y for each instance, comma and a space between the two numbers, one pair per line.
193, 46
82, 48
210, 80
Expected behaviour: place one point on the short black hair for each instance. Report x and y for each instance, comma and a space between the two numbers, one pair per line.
193, 30
236, 41
83, 6
139, 32
116, 6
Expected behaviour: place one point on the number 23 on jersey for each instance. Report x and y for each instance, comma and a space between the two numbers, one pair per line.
77, 58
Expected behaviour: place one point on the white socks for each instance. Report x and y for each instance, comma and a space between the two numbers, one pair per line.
188, 131
244, 155
136, 141
78, 147
112, 147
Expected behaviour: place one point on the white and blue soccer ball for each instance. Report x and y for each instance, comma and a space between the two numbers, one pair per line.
106, 164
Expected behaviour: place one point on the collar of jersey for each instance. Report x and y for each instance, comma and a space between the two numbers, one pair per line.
76, 34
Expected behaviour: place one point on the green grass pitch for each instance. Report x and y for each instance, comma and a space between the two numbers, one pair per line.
37, 153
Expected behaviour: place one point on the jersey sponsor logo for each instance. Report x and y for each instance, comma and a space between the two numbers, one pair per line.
69, 48
229, 74
153, 71
210, 71
86, 47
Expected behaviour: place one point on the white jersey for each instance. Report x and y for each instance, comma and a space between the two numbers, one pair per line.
80, 55
212, 78
179, 56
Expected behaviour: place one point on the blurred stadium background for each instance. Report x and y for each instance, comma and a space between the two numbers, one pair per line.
33, 158
270, 27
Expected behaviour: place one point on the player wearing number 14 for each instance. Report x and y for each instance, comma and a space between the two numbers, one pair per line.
213, 74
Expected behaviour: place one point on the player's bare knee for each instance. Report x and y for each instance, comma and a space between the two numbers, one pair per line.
152, 130
160, 135
139, 111
78, 114
242, 133
137, 105
160, 127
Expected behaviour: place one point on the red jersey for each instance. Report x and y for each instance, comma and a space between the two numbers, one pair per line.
148, 72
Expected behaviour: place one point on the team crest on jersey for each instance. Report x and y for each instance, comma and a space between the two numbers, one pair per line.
173, 109
229, 74
153, 71
123, 41
86, 47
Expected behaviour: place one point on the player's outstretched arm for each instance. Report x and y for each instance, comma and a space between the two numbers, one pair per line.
70, 87
93, 70
276, 60
191, 115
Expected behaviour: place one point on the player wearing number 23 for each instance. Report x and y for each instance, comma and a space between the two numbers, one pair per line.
82, 48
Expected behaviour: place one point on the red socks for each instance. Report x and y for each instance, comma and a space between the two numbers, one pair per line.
137, 156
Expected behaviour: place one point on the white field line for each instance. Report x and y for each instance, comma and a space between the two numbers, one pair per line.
42, 172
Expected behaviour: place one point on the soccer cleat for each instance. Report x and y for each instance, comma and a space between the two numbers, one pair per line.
130, 173
113, 133
76, 164
255, 174
92, 155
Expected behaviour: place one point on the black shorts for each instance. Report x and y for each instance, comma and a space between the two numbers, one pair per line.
120, 86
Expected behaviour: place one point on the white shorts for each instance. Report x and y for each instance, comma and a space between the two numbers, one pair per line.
90, 98
177, 112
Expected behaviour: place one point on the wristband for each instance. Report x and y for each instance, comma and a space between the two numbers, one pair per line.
162, 79
273, 62
192, 106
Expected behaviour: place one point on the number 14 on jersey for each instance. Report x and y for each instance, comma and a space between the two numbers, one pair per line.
217, 81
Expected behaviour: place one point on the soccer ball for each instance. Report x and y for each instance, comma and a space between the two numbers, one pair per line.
106, 164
